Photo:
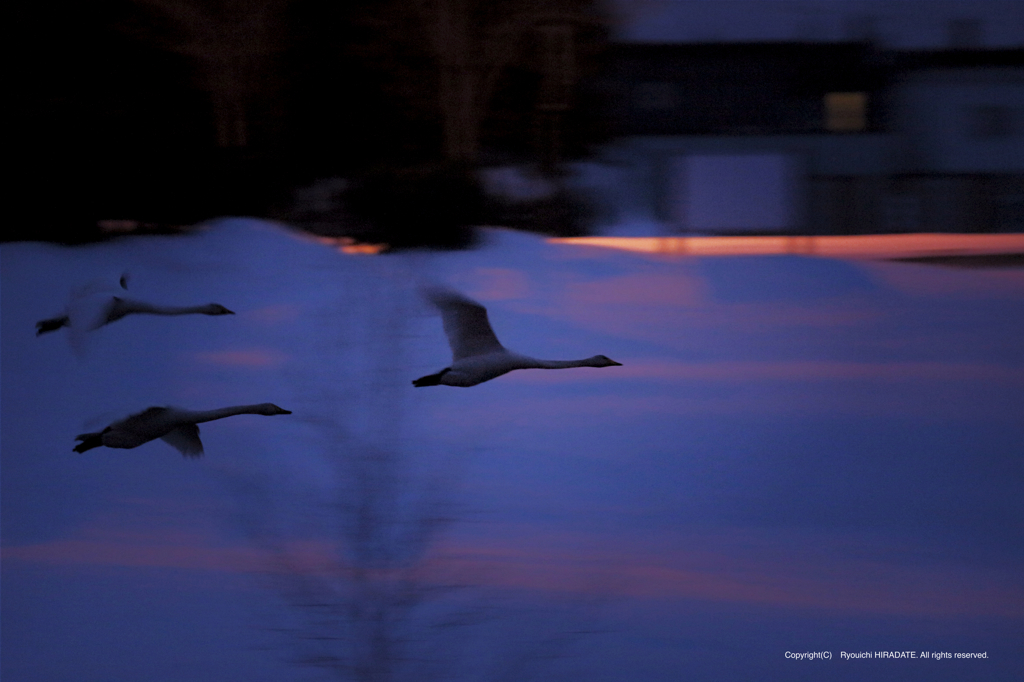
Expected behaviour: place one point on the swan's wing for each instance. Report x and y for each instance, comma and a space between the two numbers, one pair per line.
100, 287
148, 422
465, 324
88, 313
92, 288
185, 439
87, 310
119, 307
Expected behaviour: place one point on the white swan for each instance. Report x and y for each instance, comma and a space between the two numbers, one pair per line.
477, 355
171, 424
113, 308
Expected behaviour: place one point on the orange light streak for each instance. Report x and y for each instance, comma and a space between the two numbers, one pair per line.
351, 246
868, 246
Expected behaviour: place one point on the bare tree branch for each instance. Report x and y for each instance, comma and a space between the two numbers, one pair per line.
230, 42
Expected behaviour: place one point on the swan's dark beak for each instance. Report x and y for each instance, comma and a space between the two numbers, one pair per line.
229, 312
616, 364
284, 411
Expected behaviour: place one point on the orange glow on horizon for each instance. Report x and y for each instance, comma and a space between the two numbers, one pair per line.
847, 246
351, 246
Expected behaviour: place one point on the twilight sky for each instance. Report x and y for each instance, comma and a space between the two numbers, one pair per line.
797, 454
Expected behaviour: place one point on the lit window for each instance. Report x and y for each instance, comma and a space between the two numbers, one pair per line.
846, 112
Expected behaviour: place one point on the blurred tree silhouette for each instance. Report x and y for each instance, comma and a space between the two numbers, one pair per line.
231, 43
451, 57
163, 113
382, 599
471, 79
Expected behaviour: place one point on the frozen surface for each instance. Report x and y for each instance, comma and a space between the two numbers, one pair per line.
797, 455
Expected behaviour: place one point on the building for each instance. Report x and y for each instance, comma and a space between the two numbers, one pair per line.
824, 138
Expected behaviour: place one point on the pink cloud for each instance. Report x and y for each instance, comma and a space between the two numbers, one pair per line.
168, 548
814, 571
739, 569
139, 551
672, 307
666, 307
495, 284
678, 290
948, 282
274, 314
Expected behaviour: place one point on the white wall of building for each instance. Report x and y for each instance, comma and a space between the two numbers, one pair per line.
735, 193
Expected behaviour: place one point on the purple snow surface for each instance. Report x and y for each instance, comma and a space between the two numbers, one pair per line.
797, 455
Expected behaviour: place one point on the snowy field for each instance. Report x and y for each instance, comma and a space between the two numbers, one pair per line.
797, 455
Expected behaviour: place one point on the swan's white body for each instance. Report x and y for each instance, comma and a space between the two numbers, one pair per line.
91, 307
173, 425
477, 355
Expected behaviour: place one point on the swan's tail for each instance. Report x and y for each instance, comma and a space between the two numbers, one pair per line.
51, 325
89, 441
431, 379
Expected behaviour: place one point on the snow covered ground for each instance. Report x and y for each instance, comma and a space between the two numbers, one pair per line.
798, 454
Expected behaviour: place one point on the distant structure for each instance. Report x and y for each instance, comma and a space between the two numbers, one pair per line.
851, 133
889, 24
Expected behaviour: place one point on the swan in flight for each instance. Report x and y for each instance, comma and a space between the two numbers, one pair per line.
477, 355
91, 308
172, 425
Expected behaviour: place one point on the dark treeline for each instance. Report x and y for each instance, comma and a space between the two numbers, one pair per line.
167, 112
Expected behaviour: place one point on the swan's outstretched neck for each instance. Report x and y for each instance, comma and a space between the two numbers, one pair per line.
221, 413
175, 310
558, 364
126, 306
596, 361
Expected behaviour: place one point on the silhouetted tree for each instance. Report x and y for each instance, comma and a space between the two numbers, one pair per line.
467, 45
381, 603
231, 43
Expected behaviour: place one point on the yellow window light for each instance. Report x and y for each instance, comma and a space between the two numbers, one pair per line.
846, 112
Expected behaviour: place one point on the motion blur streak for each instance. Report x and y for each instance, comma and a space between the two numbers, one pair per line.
849, 246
